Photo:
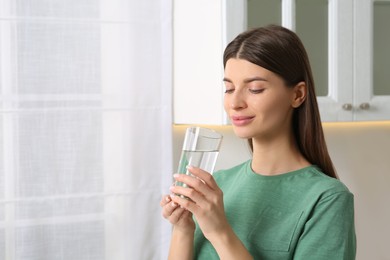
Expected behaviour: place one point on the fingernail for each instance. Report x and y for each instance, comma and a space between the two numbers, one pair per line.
167, 199
175, 175
173, 204
190, 167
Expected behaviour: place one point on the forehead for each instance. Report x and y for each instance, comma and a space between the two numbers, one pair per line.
240, 69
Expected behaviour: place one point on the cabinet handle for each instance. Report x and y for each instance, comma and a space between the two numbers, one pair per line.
347, 106
365, 106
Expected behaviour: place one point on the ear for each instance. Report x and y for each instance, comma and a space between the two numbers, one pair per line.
299, 94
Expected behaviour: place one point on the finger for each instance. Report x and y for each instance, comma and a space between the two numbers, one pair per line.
186, 203
188, 194
198, 191
176, 215
193, 182
203, 175
168, 209
165, 200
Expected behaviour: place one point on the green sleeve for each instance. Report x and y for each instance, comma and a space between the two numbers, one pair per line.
329, 233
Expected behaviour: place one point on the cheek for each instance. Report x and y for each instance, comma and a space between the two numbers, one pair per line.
277, 107
263, 104
281, 111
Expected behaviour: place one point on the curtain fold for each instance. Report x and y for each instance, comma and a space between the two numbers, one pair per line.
85, 128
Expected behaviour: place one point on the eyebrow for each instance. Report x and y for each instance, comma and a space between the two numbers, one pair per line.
248, 80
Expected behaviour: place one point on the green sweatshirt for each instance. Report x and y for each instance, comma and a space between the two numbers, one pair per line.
302, 214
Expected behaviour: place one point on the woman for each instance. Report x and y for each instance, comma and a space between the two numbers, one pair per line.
284, 203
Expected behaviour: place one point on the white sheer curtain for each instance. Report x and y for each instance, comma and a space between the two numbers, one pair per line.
85, 128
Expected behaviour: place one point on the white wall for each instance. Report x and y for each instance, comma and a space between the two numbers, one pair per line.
361, 154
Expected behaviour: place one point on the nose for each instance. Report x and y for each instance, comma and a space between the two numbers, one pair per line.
237, 101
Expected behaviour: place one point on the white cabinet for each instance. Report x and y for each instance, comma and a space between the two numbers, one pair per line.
197, 62
352, 94
371, 99
356, 33
200, 36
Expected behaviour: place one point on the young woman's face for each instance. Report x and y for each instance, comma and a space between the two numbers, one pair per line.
257, 101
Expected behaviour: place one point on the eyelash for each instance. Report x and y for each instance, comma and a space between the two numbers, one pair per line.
253, 91
256, 91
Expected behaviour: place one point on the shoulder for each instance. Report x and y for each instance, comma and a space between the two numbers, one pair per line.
325, 186
326, 182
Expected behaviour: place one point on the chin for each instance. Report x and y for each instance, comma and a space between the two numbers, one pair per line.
242, 133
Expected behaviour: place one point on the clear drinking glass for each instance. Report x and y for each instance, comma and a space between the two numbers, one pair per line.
200, 149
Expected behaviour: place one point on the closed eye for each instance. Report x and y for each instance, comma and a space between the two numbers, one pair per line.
256, 91
229, 91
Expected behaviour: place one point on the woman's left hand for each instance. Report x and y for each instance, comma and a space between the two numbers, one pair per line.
205, 200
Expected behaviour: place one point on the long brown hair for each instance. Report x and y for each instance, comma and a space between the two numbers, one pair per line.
280, 50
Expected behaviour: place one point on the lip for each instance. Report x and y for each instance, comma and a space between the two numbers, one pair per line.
241, 120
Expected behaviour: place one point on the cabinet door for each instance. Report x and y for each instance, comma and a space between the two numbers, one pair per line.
354, 86
197, 62
372, 60
202, 29
325, 29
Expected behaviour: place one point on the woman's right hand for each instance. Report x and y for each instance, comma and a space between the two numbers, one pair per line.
179, 217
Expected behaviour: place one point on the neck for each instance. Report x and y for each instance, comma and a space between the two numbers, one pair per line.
276, 156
